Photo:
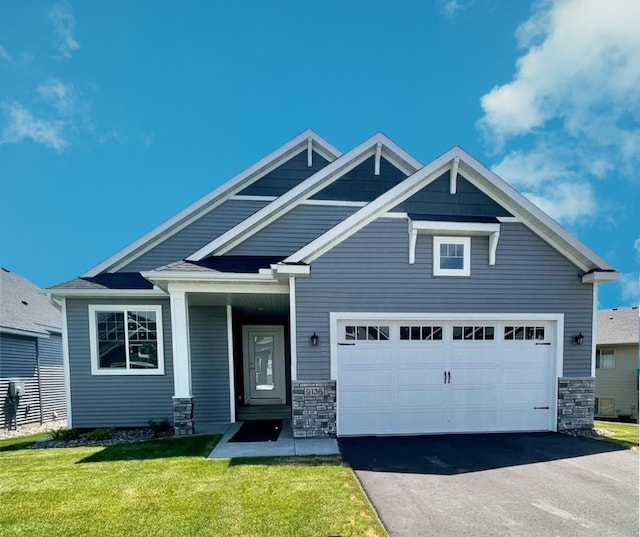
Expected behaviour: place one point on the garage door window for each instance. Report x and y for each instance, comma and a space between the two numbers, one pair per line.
473, 333
421, 333
512, 333
366, 333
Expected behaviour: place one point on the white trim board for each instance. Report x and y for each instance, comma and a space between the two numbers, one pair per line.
214, 199
66, 363
232, 382
303, 191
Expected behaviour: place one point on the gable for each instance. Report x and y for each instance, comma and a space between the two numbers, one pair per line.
361, 183
195, 235
286, 176
308, 140
293, 230
436, 199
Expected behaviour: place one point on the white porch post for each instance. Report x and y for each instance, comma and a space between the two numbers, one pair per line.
180, 339
182, 401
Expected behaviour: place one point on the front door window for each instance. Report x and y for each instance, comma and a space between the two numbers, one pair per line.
264, 367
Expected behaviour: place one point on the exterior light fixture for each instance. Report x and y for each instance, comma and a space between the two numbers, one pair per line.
579, 339
314, 340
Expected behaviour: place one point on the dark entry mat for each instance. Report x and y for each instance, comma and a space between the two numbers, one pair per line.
258, 431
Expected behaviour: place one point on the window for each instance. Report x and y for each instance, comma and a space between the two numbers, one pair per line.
126, 340
366, 333
473, 333
421, 333
605, 359
522, 333
605, 406
451, 256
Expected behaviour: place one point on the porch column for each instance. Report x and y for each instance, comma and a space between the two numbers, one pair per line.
182, 399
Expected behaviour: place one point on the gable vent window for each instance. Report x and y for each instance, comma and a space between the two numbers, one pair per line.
421, 333
366, 333
473, 333
451, 256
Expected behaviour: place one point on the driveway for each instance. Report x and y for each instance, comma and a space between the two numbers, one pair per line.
528, 484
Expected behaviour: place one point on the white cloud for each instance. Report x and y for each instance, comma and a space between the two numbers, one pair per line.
450, 7
62, 96
4, 55
582, 60
636, 247
573, 102
22, 125
64, 23
630, 287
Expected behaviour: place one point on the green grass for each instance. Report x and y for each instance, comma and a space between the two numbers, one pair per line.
625, 434
168, 488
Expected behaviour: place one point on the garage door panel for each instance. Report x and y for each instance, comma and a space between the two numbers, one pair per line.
468, 398
355, 378
420, 377
472, 421
422, 355
420, 421
525, 420
473, 376
367, 399
526, 354
524, 395
367, 422
525, 375
421, 399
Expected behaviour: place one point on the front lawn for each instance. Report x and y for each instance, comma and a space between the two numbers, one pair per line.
618, 432
167, 487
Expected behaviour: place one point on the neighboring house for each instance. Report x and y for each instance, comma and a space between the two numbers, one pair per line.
31, 358
358, 293
617, 364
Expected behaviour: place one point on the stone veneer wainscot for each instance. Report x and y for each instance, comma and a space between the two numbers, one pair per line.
576, 400
183, 416
314, 409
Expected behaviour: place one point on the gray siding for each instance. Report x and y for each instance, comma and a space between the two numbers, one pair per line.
293, 230
370, 272
361, 184
209, 365
44, 399
196, 235
286, 176
436, 199
18, 362
52, 394
125, 400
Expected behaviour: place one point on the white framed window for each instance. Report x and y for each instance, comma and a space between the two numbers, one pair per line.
451, 256
605, 359
126, 340
366, 333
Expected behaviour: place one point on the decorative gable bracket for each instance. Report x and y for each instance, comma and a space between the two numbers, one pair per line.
456, 229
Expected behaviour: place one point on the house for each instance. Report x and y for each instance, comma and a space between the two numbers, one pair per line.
617, 364
32, 386
357, 293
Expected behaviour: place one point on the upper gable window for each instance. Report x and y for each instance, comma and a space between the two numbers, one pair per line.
126, 340
451, 256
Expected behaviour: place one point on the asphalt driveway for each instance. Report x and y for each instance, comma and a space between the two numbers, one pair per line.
537, 484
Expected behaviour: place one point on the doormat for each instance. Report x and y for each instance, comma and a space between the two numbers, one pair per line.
258, 431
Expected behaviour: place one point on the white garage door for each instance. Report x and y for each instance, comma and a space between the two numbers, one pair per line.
410, 377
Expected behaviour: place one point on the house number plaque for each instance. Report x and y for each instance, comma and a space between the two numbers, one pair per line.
314, 391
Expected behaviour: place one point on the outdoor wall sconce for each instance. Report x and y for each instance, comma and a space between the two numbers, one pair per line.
579, 339
314, 340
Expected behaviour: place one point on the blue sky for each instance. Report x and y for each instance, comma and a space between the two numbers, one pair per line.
116, 115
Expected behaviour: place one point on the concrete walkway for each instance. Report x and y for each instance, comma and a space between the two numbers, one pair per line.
285, 446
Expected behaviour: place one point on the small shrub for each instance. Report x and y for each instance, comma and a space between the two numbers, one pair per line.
160, 428
65, 435
98, 435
